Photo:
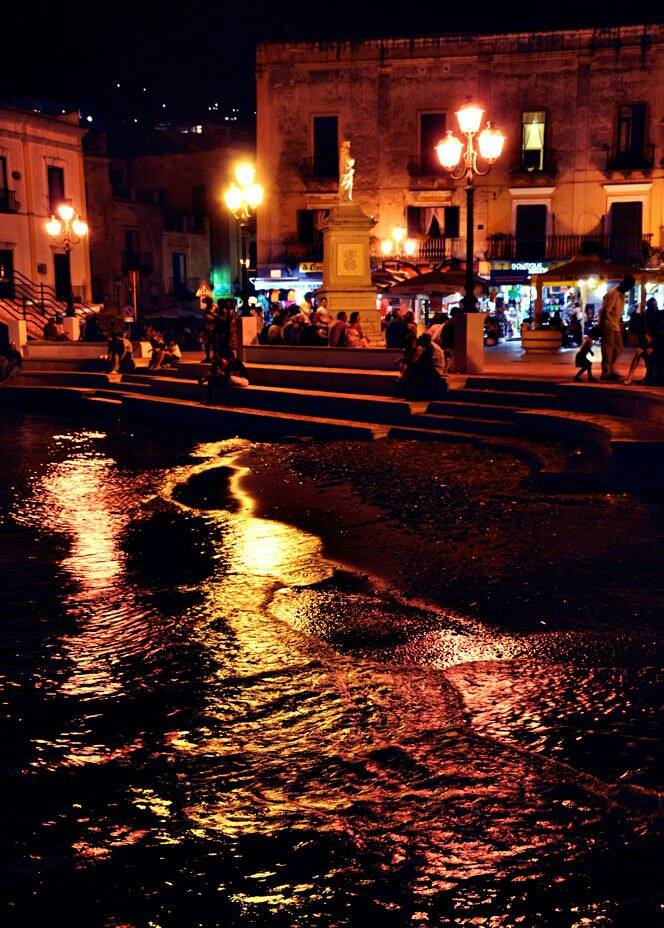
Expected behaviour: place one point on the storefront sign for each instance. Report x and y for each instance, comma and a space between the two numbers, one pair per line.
504, 278
311, 267
533, 267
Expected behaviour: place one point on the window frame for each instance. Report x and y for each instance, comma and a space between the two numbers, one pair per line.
545, 140
430, 112
312, 139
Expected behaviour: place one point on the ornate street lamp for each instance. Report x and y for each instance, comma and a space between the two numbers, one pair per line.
464, 163
242, 198
67, 231
398, 245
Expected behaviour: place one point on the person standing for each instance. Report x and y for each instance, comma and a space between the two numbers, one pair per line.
207, 338
610, 326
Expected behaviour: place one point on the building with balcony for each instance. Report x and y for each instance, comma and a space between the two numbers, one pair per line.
41, 166
156, 209
582, 168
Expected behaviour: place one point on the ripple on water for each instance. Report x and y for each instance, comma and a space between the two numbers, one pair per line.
215, 728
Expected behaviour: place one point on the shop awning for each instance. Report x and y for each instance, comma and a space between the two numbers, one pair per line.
583, 266
438, 281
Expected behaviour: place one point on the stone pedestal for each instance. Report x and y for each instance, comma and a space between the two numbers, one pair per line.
72, 328
469, 343
347, 269
18, 332
249, 330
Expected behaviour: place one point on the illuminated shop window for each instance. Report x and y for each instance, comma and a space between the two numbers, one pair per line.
533, 131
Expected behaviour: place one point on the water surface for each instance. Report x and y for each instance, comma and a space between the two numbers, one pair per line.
206, 724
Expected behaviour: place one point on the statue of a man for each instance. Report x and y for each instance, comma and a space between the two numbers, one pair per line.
346, 171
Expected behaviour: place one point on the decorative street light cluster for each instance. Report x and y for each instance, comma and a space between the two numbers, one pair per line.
398, 244
65, 232
242, 198
463, 163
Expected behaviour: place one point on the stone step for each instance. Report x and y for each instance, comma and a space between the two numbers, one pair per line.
519, 400
481, 410
385, 359
225, 419
459, 424
377, 383
511, 384
306, 402
337, 380
413, 433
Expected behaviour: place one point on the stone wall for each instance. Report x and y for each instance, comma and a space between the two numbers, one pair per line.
379, 88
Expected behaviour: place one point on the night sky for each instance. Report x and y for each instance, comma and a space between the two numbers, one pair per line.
195, 54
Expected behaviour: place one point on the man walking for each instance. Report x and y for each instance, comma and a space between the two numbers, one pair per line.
610, 327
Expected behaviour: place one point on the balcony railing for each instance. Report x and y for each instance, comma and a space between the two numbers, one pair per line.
8, 201
428, 251
183, 289
137, 261
636, 159
634, 248
422, 167
319, 169
182, 222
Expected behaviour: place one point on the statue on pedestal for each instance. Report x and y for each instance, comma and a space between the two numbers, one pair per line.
346, 171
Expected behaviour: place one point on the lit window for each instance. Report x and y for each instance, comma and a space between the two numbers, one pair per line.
533, 126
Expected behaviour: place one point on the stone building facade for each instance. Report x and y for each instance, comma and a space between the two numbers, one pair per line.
161, 213
41, 166
582, 168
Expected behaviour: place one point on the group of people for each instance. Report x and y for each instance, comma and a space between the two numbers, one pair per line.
310, 323
646, 331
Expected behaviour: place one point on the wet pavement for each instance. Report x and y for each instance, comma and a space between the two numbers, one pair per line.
206, 722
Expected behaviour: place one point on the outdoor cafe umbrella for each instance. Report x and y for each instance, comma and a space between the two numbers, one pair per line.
436, 282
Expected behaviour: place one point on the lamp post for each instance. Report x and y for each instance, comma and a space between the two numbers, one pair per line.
463, 164
67, 231
242, 198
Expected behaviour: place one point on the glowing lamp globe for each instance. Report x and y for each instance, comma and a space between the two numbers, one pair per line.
398, 234
410, 246
387, 246
54, 226
449, 151
66, 212
470, 119
491, 143
244, 174
233, 197
254, 194
80, 227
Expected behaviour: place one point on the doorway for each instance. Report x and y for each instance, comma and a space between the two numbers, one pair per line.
531, 232
625, 225
179, 260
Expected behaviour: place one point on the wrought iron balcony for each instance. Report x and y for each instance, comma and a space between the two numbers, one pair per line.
630, 159
137, 261
429, 250
321, 169
184, 222
630, 248
8, 201
423, 167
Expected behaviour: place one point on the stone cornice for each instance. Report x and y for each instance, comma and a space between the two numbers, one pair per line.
384, 50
